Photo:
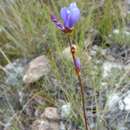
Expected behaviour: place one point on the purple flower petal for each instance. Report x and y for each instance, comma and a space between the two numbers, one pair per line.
53, 18
77, 63
58, 24
64, 14
67, 22
70, 15
72, 5
74, 17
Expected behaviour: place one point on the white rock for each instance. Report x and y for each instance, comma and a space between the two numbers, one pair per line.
67, 54
66, 110
62, 126
37, 68
112, 100
15, 71
123, 101
116, 31
21, 96
44, 125
124, 32
119, 109
121, 105
51, 113
124, 104
107, 67
127, 102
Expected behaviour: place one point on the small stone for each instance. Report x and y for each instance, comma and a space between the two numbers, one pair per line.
124, 104
37, 68
67, 54
44, 125
112, 100
108, 66
55, 125
62, 126
40, 125
15, 71
51, 113
66, 110
118, 116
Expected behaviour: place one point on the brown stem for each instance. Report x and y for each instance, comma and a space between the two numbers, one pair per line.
81, 89
83, 103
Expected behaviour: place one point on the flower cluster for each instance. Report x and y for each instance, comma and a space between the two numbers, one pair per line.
70, 16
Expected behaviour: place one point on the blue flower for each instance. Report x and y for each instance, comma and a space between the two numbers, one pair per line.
70, 15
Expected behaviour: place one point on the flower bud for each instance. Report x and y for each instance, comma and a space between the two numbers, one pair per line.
77, 64
73, 49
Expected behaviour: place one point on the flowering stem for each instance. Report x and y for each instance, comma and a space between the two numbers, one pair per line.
81, 86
